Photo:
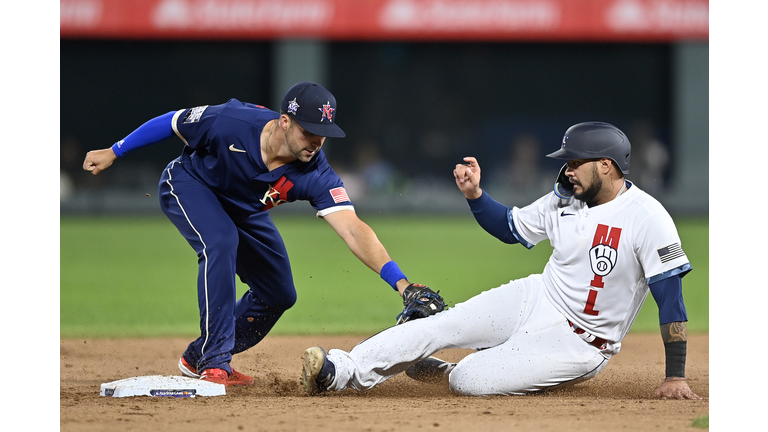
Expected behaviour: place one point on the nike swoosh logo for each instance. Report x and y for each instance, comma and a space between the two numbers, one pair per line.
232, 148
567, 214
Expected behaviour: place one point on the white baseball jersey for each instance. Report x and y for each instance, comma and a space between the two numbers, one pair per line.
604, 257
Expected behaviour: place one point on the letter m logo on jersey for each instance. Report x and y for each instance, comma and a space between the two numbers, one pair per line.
277, 193
602, 259
604, 251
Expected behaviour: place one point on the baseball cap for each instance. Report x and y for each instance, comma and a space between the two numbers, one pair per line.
314, 108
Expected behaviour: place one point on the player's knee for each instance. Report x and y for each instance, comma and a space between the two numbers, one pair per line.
463, 381
275, 303
284, 295
286, 300
460, 383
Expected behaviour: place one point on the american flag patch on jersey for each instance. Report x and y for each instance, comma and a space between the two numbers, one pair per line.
339, 195
668, 253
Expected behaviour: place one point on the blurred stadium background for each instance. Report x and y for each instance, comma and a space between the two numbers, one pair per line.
419, 83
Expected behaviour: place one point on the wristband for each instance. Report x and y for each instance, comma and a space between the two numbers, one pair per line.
391, 273
675, 352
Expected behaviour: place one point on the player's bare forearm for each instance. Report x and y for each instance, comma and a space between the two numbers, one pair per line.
368, 249
366, 246
360, 239
674, 332
97, 161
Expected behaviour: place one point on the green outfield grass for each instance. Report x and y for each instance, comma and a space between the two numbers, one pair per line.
135, 277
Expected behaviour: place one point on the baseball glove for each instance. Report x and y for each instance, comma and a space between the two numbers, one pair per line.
420, 302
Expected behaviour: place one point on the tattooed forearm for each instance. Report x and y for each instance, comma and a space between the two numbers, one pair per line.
674, 332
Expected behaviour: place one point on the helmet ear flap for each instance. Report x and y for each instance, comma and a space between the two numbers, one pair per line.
563, 187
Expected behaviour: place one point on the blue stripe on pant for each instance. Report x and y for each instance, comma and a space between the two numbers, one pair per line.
228, 243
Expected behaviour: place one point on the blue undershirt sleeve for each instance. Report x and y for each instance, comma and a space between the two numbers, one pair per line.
492, 217
153, 131
668, 294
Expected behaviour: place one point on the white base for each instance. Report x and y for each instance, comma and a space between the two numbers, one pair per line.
162, 385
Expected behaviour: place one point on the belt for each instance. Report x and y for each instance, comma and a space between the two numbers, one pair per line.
591, 339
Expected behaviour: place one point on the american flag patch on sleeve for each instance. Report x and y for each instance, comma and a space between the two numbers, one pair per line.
668, 253
339, 195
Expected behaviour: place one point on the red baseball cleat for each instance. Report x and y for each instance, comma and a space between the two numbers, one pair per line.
215, 375
236, 379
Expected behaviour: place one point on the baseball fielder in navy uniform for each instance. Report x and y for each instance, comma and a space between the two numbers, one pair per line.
239, 161
613, 243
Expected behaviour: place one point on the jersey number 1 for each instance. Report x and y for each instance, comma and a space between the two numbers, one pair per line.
602, 256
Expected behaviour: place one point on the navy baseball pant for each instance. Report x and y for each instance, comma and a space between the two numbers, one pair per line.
228, 243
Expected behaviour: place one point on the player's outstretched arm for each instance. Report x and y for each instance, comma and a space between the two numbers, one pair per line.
153, 131
97, 161
675, 337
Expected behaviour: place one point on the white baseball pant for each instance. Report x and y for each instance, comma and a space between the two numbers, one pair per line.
524, 345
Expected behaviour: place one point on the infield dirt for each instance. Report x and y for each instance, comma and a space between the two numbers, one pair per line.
619, 398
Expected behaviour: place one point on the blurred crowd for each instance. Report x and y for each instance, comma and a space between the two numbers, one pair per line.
515, 167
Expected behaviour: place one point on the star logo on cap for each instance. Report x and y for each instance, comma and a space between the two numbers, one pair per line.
327, 112
293, 106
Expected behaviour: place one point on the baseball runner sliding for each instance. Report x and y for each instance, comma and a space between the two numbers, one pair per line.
613, 243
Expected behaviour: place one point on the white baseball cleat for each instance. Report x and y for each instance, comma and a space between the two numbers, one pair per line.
318, 372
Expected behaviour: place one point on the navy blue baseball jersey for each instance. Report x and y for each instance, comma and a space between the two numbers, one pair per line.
224, 152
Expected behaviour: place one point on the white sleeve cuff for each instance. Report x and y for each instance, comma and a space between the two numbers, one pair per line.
175, 129
325, 212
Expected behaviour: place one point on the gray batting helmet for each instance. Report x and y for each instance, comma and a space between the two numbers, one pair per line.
592, 140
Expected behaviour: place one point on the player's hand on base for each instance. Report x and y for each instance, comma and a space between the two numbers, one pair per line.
468, 178
676, 388
97, 161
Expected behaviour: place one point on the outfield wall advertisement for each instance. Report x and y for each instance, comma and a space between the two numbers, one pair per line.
427, 20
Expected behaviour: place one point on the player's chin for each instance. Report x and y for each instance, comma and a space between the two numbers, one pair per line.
306, 156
